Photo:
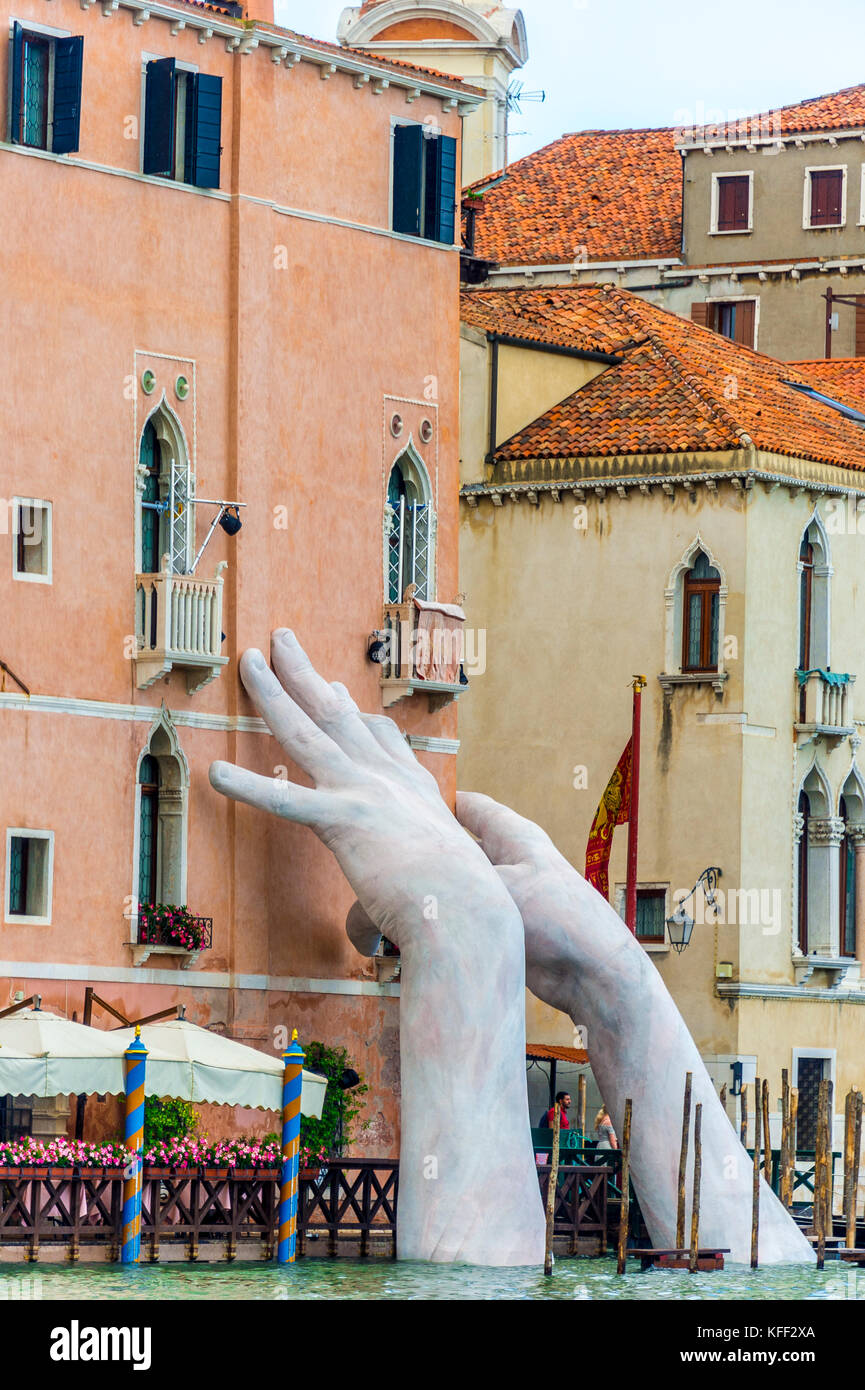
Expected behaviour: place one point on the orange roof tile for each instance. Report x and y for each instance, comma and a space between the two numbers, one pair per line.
842, 110
542, 1052
600, 195
843, 378
679, 387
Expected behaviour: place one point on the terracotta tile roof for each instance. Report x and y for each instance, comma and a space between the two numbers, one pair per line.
616, 193
843, 110
843, 378
679, 387
543, 1053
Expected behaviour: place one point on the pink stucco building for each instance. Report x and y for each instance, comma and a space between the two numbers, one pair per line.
229, 275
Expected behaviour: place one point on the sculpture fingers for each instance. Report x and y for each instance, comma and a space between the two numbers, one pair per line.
304, 742
319, 809
506, 838
363, 934
331, 708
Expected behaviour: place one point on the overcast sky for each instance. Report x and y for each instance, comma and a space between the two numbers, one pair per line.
615, 63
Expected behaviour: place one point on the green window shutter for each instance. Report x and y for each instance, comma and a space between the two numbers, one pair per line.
68, 60
159, 118
16, 55
18, 876
447, 190
408, 170
203, 129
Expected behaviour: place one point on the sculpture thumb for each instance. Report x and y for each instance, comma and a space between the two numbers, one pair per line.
362, 932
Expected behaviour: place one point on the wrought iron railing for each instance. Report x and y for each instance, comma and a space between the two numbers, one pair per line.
161, 932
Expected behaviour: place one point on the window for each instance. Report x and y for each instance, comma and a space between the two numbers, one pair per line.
182, 124
732, 203
45, 104
424, 183
161, 829
734, 319
814, 576
29, 870
809, 1071
804, 809
165, 489
825, 197
31, 556
16, 1122
651, 915
700, 616
847, 887
409, 529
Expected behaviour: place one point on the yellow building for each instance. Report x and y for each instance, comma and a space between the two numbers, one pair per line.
481, 41
642, 495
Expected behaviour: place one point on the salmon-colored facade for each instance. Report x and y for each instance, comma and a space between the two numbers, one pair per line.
262, 334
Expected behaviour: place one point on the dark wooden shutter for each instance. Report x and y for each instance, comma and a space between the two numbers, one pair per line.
408, 168
733, 204
826, 186
159, 118
68, 60
860, 325
744, 323
203, 129
16, 55
441, 189
701, 313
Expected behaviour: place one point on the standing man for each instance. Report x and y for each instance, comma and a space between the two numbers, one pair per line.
563, 1100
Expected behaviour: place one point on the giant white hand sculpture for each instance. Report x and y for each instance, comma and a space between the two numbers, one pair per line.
582, 959
468, 1187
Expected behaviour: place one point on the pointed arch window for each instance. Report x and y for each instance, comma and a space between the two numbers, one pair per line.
701, 600
847, 886
148, 831
804, 809
806, 593
163, 783
165, 494
409, 531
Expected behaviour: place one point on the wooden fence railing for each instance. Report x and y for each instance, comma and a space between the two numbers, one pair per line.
353, 1200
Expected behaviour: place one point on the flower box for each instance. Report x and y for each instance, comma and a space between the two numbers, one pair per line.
310, 1173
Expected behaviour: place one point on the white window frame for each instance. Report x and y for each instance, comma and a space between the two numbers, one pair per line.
652, 947
821, 1054
21, 833
22, 575
739, 299
425, 241
47, 31
713, 216
861, 222
806, 202
179, 66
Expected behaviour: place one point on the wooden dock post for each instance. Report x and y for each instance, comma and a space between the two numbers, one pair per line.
683, 1164
581, 1106
848, 1157
822, 1170
785, 1188
743, 1116
622, 1249
767, 1135
695, 1197
794, 1119
855, 1154
755, 1205
551, 1192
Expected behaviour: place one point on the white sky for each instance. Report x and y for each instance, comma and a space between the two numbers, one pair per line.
613, 63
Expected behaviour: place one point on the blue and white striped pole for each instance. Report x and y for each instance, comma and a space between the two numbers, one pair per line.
135, 1058
292, 1085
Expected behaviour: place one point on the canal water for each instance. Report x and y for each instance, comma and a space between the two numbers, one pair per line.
572, 1279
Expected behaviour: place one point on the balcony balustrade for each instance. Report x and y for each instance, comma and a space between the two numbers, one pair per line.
420, 648
178, 623
825, 703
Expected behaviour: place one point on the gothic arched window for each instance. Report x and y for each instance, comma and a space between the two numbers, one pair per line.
701, 597
410, 531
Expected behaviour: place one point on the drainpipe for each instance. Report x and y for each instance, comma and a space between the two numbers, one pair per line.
494, 399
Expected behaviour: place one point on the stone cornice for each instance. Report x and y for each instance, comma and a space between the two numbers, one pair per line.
619, 475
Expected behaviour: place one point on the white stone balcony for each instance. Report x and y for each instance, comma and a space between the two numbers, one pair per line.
178, 622
825, 703
420, 649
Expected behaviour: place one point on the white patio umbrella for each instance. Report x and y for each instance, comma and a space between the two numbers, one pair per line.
73, 1057
21, 1074
191, 1063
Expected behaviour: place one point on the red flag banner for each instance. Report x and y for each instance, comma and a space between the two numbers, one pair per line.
614, 809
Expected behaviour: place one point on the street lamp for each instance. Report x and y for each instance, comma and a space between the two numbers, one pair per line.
681, 924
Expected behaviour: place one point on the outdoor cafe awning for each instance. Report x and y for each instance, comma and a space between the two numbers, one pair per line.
540, 1052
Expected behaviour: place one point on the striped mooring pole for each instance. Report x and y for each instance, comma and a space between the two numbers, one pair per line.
292, 1084
135, 1058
